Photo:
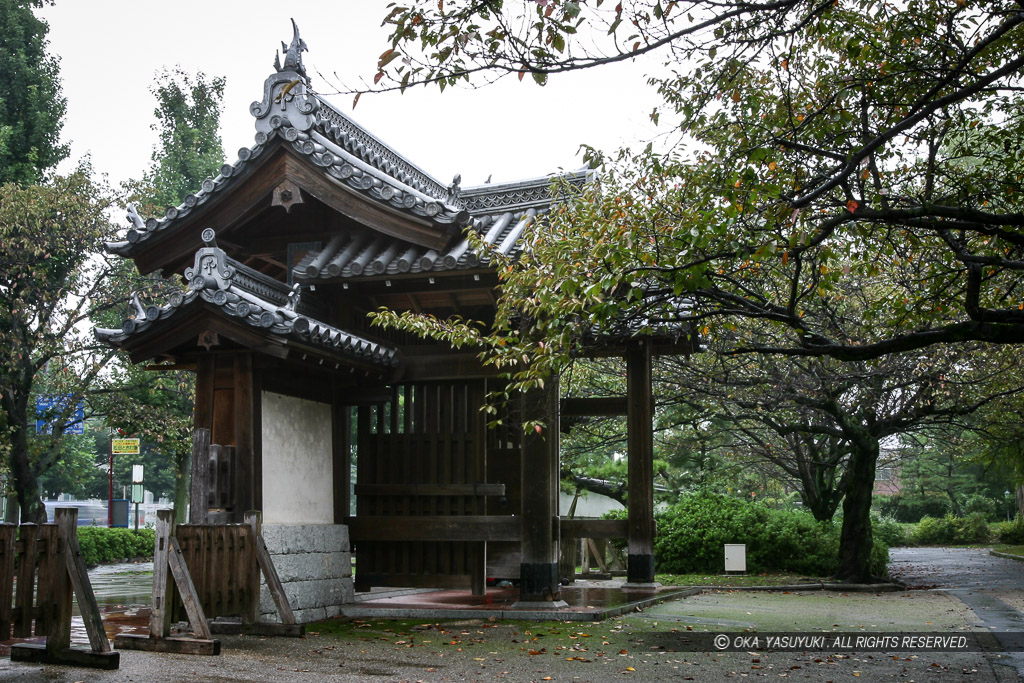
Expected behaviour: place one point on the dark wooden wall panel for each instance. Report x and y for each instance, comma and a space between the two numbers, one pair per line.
430, 434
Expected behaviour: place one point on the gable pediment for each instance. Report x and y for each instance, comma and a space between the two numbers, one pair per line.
274, 177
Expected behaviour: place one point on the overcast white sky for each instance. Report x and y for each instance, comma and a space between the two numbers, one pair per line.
110, 51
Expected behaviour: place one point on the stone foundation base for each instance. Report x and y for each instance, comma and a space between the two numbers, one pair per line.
314, 563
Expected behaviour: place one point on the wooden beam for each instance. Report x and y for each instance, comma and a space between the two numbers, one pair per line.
593, 528
434, 528
187, 591
430, 489
38, 654
284, 610
595, 406
341, 453
181, 646
8, 536
163, 589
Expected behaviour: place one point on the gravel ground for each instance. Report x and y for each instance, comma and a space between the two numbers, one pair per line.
615, 649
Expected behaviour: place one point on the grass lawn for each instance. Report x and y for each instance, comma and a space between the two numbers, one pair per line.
1010, 549
765, 579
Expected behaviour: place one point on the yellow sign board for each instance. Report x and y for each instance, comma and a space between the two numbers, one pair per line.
124, 446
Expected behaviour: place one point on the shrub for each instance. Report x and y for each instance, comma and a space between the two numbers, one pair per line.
971, 529
101, 545
914, 508
949, 529
888, 531
693, 532
933, 531
1011, 533
977, 504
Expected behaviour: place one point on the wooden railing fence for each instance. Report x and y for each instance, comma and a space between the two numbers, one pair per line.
41, 568
202, 571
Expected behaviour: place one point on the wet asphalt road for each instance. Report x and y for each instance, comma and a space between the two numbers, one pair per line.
955, 568
991, 586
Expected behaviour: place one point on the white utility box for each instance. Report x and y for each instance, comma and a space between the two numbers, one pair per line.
735, 557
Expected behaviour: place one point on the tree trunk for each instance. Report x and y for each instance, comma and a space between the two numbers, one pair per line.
855, 540
822, 507
26, 484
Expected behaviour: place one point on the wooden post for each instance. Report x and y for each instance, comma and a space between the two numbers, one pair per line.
26, 579
74, 570
341, 457
640, 465
54, 594
51, 581
538, 571
163, 590
244, 483
287, 627
194, 609
61, 572
199, 492
254, 520
8, 534
167, 563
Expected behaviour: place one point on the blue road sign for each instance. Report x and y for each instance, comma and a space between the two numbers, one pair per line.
48, 409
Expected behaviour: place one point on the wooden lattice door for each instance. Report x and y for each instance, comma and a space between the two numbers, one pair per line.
422, 455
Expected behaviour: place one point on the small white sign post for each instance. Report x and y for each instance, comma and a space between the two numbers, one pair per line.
137, 491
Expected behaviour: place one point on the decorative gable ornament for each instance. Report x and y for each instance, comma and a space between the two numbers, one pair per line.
287, 102
210, 270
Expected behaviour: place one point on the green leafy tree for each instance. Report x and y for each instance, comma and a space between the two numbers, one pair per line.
31, 104
188, 125
52, 281
157, 407
845, 179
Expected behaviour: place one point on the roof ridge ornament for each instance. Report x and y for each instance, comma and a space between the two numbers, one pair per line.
287, 99
293, 53
455, 189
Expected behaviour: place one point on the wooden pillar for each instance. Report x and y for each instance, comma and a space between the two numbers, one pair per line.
202, 416
640, 472
341, 455
245, 482
538, 571
202, 423
199, 487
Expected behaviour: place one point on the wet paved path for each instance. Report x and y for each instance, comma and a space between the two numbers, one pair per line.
993, 587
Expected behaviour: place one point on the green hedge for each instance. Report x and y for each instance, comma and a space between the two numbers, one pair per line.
101, 545
693, 532
1011, 533
951, 530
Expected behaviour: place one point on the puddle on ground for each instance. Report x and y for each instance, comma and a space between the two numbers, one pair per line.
123, 594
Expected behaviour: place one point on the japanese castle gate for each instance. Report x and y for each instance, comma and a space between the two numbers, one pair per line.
285, 252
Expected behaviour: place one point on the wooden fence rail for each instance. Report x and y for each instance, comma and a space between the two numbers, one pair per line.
201, 571
45, 565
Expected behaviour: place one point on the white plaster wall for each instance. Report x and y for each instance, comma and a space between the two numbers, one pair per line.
298, 474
